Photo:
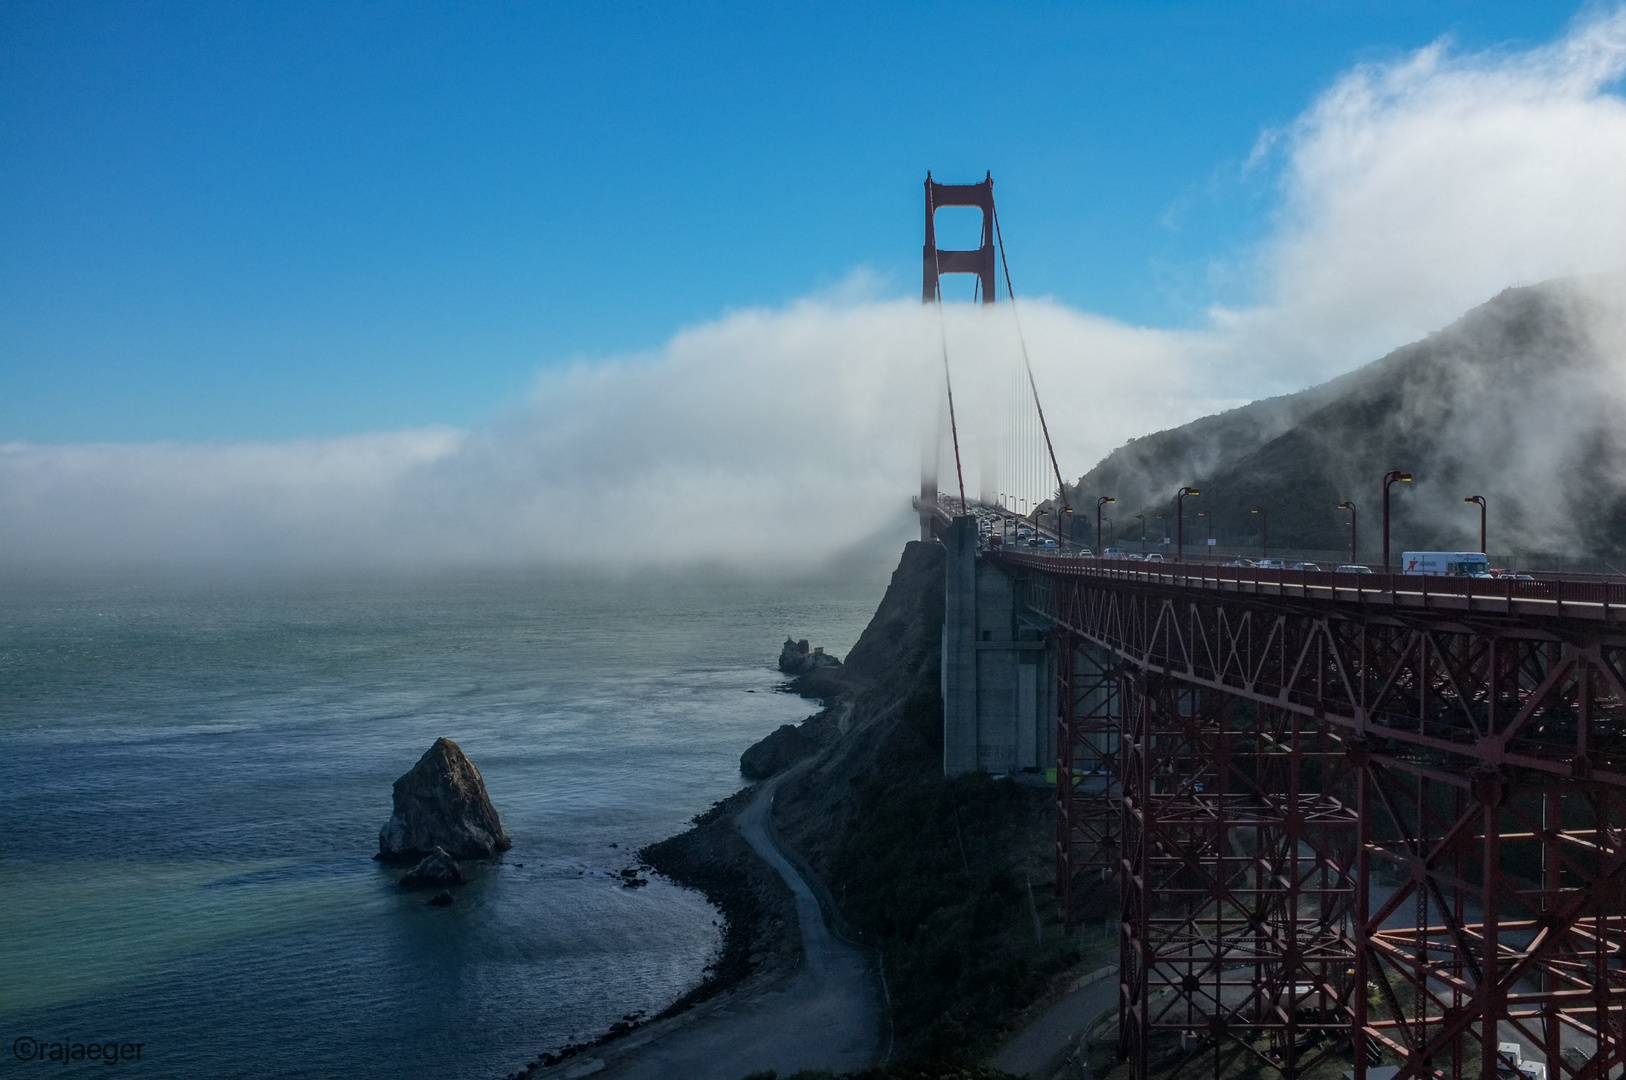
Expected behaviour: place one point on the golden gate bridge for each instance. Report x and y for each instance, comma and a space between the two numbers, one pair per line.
1349, 819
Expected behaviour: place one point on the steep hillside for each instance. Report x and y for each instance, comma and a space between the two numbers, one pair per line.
1522, 400
949, 879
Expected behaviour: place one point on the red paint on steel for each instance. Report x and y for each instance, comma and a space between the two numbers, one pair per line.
1279, 742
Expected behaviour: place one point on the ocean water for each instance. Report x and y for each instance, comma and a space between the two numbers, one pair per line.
192, 780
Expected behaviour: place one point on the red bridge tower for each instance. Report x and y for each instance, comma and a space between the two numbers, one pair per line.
980, 261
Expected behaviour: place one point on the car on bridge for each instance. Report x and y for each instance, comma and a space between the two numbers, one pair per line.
1154, 557
1240, 562
1352, 568
1306, 566
1272, 564
1112, 553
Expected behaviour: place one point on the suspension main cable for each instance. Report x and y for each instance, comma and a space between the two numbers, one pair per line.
948, 382
1061, 485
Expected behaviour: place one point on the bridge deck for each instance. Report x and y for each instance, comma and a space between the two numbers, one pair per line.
1543, 598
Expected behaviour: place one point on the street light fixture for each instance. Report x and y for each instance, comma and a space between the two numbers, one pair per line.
1480, 499
1264, 531
1180, 522
1067, 515
1390, 477
1350, 506
1102, 501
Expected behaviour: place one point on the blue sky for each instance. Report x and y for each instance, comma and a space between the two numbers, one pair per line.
237, 221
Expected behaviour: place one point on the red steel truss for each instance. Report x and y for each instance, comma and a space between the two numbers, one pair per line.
1090, 688
1237, 883
1384, 815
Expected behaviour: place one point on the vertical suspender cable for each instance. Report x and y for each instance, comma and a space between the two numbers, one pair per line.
948, 383
1061, 486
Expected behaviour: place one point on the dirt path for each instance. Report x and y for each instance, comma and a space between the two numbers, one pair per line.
826, 1015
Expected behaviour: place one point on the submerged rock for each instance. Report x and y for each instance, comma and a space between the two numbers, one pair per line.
442, 803
436, 868
441, 899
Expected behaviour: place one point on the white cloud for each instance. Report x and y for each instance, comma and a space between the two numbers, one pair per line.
766, 438
1411, 191
1416, 189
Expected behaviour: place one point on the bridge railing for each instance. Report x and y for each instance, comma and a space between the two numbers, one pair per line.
1591, 597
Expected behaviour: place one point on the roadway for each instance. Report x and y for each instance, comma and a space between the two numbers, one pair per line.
824, 1016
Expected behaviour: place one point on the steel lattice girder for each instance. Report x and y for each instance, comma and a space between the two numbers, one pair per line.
1488, 760
1237, 883
1089, 704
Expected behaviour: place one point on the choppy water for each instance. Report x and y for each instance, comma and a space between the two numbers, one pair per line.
192, 782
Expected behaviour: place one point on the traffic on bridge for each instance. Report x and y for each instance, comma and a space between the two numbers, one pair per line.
1345, 815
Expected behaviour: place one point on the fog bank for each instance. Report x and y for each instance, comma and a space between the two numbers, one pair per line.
775, 439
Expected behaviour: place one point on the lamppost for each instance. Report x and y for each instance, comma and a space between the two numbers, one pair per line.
1264, 531
1350, 506
1067, 516
1142, 519
1480, 499
1180, 522
1102, 501
1390, 477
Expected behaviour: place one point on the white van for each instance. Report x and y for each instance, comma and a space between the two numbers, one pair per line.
1519, 1069
1445, 563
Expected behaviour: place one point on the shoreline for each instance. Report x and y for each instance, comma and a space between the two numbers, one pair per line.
760, 939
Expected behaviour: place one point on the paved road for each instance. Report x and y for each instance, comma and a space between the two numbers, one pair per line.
1039, 1049
824, 1016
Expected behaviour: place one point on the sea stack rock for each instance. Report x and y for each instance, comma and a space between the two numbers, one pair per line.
442, 803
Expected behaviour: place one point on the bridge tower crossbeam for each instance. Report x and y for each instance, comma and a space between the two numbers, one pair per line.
935, 261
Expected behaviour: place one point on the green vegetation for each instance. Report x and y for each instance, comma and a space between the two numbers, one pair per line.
950, 879
1451, 409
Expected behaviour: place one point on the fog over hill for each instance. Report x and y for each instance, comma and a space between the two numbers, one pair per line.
1522, 400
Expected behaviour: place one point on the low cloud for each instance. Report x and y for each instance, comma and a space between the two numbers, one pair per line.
1410, 191
770, 439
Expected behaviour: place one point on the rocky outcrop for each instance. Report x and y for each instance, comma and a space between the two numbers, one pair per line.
797, 658
441, 803
779, 750
436, 870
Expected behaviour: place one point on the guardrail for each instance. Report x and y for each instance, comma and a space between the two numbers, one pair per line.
1543, 597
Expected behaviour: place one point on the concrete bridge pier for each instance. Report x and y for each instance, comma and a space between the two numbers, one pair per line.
998, 681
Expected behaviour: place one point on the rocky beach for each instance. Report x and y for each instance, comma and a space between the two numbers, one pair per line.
945, 885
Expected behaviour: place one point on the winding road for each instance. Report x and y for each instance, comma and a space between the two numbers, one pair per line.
826, 1015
